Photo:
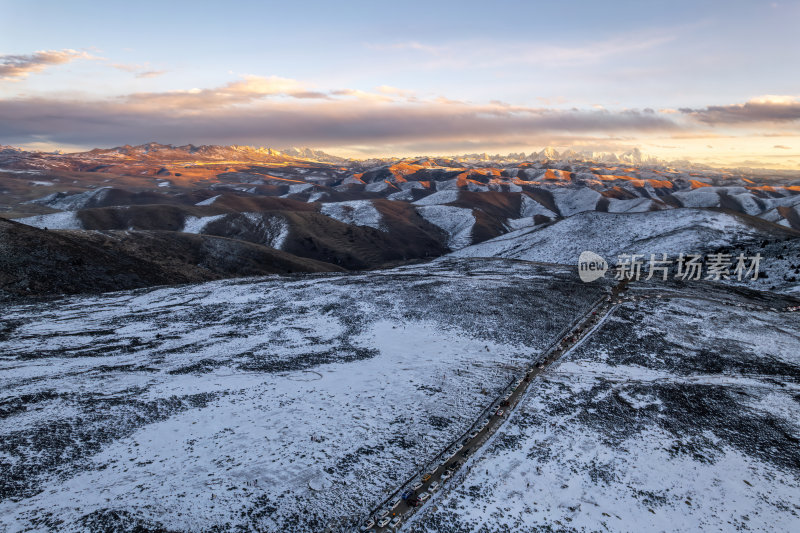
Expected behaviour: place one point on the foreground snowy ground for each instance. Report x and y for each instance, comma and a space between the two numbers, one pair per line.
279, 404
676, 414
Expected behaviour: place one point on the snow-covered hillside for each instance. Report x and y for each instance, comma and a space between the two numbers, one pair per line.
270, 404
457, 222
60, 220
662, 420
609, 234
73, 202
357, 212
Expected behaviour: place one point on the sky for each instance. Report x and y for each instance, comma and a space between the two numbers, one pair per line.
717, 82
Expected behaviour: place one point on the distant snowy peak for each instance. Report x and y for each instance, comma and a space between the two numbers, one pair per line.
548, 153
154, 150
316, 155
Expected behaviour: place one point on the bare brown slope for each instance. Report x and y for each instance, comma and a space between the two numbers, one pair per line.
491, 210
403, 218
317, 236
500, 205
35, 261
241, 204
173, 217
311, 234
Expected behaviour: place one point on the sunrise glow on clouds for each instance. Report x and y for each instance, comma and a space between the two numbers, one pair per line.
710, 83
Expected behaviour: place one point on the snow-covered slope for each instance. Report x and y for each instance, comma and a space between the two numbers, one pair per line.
441, 197
63, 220
356, 212
260, 405
636, 205
457, 222
609, 234
198, 224
651, 424
572, 201
72, 202
261, 228
209, 201
530, 207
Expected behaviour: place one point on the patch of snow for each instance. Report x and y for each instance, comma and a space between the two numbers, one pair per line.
197, 224
520, 223
14, 171
300, 187
63, 220
287, 393
208, 201
530, 207
356, 212
378, 186
442, 197
274, 227
636, 205
604, 441
457, 222
609, 234
572, 201
72, 202
702, 197
402, 196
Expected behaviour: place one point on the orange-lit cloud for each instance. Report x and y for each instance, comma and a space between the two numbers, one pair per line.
280, 111
17, 67
770, 108
245, 91
246, 112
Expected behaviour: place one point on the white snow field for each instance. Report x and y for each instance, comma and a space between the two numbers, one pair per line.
272, 404
60, 220
356, 212
609, 234
457, 222
441, 197
675, 415
75, 201
572, 201
197, 224
269, 230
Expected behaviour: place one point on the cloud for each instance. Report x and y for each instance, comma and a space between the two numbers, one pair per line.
396, 92
782, 147
127, 67
242, 92
251, 90
280, 111
485, 53
151, 73
17, 67
363, 95
769, 108
241, 112
141, 71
